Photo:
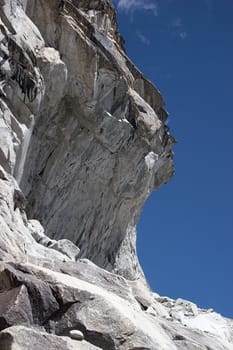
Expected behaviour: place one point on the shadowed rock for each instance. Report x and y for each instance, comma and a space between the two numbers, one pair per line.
15, 307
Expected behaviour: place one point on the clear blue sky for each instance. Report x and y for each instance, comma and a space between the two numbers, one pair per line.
185, 235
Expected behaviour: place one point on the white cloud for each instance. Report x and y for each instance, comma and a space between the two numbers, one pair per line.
133, 5
183, 35
178, 29
143, 38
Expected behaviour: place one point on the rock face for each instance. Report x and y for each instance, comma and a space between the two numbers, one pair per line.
83, 142
99, 145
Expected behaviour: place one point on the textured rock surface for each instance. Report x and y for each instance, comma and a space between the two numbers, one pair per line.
23, 338
83, 142
94, 124
98, 148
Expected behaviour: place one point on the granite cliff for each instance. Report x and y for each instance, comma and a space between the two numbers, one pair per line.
83, 142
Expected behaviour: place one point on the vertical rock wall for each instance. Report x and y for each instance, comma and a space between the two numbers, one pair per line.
99, 145
84, 132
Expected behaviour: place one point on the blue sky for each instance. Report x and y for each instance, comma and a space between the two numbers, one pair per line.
185, 234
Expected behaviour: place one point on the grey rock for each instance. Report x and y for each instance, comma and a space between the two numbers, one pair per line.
89, 150
23, 338
109, 321
66, 247
106, 320
83, 142
91, 273
42, 301
15, 307
63, 246
16, 232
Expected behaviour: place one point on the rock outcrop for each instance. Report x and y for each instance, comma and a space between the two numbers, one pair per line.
83, 142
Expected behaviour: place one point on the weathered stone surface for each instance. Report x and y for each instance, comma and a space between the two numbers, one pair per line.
89, 272
22, 338
109, 320
106, 320
42, 300
83, 120
98, 145
64, 246
83, 142
15, 307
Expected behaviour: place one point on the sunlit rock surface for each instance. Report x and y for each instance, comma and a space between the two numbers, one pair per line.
83, 142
